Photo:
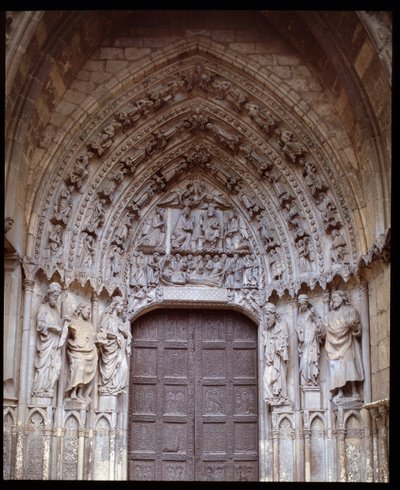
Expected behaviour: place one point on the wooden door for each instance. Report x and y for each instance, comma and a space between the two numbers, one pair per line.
193, 397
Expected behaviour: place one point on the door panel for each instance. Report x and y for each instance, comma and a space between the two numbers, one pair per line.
193, 407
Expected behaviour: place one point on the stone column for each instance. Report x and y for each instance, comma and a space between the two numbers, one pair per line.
28, 285
46, 450
275, 445
298, 419
60, 412
331, 432
307, 454
373, 413
266, 452
364, 315
81, 452
383, 410
95, 398
379, 412
112, 453
368, 460
342, 454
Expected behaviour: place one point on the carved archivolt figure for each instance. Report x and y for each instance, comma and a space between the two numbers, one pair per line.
80, 170
64, 206
55, 240
51, 337
116, 258
275, 339
98, 216
338, 248
88, 250
342, 346
310, 333
82, 355
114, 340
262, 118
291, 147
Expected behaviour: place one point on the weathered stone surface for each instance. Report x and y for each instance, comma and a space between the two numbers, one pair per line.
197, 163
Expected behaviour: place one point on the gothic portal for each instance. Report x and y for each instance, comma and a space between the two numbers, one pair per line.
197, 245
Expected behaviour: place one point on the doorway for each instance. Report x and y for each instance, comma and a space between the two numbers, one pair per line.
193, 397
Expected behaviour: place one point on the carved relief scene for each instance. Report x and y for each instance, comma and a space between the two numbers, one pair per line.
197, 246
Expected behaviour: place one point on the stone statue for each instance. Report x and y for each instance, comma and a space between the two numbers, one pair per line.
138, 273
309, 333
50, 339
82, 355
235, 231
98, 216
63, 206
114, 340
80, 171
154, 230
153, 269
311, 178
290, 146
338, 247
275, 343
262, 117
88, 250
55, 240
211, 226
342, 346
116, 258
182, 236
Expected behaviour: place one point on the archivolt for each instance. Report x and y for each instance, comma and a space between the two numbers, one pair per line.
192, 96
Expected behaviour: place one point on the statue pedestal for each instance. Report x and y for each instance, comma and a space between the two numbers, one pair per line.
347, 403
42, 401
108, 403
74, 404
311, 398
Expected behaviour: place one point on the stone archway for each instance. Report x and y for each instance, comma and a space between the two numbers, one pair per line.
196, 176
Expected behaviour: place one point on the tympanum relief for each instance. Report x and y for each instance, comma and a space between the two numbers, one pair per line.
194, 237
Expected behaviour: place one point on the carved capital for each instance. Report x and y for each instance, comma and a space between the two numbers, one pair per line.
8, 224
28, 285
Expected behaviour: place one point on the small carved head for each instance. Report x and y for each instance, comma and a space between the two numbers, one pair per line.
303, 302
84, 311
270, 310
338, 297
53, 292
